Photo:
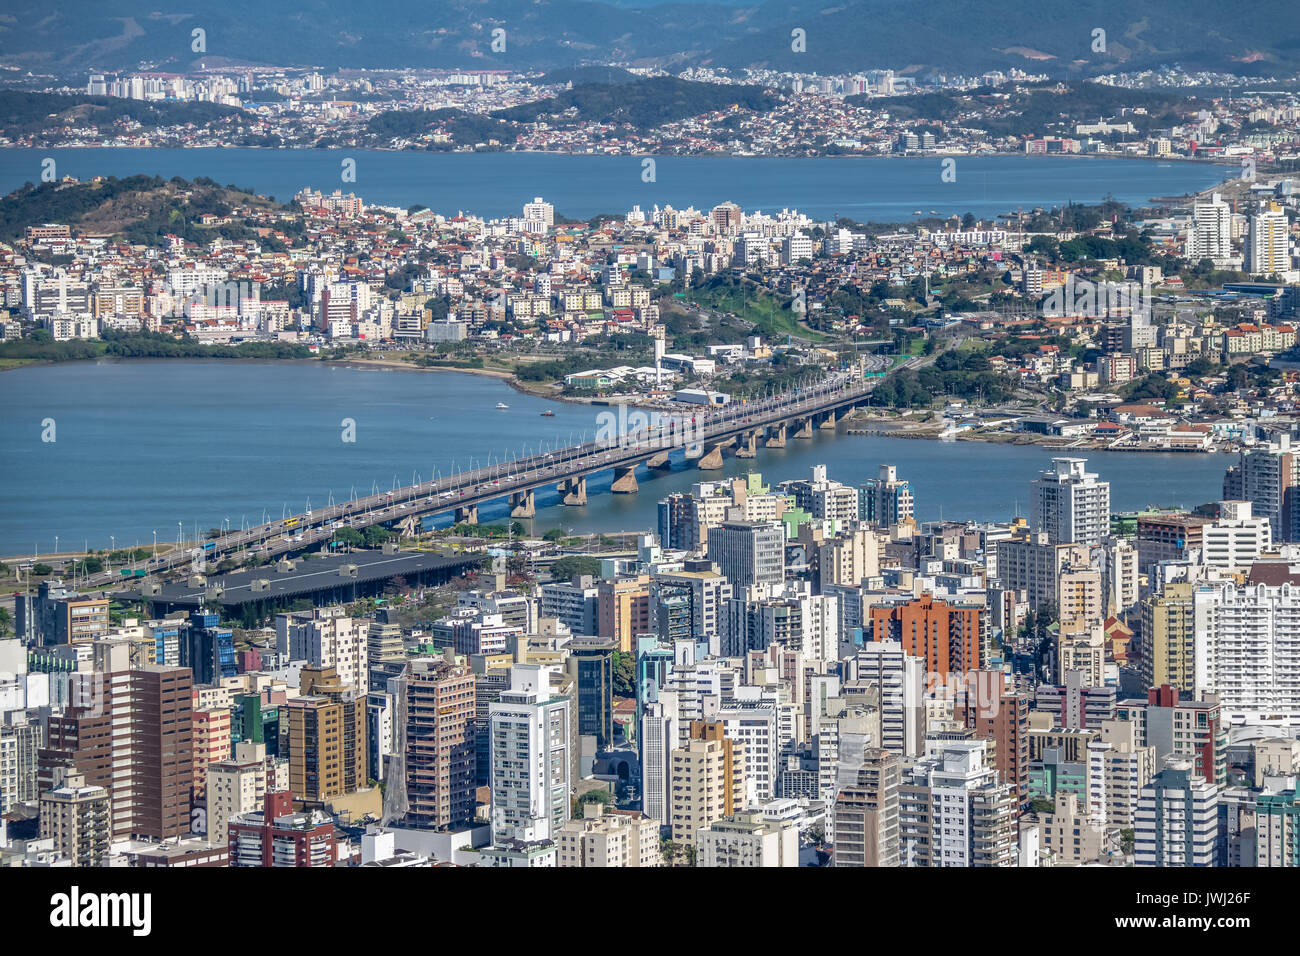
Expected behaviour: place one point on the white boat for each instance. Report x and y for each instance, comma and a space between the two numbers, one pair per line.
502, 405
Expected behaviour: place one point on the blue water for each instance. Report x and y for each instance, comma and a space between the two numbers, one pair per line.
497, 184
143, 445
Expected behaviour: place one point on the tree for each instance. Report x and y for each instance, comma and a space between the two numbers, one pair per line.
1127, 839
568, 568
40, 570
624, 674
555, 534
376, 535
350, 537
5, 621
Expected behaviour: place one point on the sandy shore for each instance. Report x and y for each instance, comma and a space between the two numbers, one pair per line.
535, 389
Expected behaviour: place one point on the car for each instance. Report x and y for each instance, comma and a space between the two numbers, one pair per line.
447, 494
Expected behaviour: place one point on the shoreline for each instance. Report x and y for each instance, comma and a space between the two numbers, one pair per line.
1206, 161
888, 428
532, 389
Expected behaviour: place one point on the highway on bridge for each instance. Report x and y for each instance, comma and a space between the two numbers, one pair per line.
707, 431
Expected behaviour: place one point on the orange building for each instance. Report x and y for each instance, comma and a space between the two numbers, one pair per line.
211, 735
623, 610
946, 636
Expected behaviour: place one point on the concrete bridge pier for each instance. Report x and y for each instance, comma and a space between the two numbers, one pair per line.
711, 460
522, 505
467, 514
776, 436
747, 446
659, 462
624, 481
805, 428
574, 491
828, 420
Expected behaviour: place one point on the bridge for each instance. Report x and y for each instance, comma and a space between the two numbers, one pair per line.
742, 427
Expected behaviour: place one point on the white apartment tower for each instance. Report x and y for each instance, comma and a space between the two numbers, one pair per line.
530, 752
1177, 820
1070, 504
1247, 651
1210, 234
1269, 252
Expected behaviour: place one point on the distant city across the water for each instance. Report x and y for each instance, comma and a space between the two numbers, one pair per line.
148, 445
883, 189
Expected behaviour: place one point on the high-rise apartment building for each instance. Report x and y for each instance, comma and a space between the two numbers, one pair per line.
748, 840
945, 636
1210, 233
438, 701
886, 500
900, 684
1175, 727
1269, 250
1070, 504
211, 743
1169, 636
822, 497
530, 758
688, 604
573, 603
75, 816
1177, 822
327, 637
130, 732
239, 785
953, 812
1247, 651
1236, 538
657, 741
323, 735
865, 823
708, 781
1267, 477
1118, 768
609, 838
623, 610
1001, 716
749, 552
1030, 562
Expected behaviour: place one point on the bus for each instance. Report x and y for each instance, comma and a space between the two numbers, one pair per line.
209, 546
288, 522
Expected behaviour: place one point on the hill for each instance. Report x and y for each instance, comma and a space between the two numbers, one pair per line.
588, 74
645, 103
141, 209
464, 129
22, 114
1039, 108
